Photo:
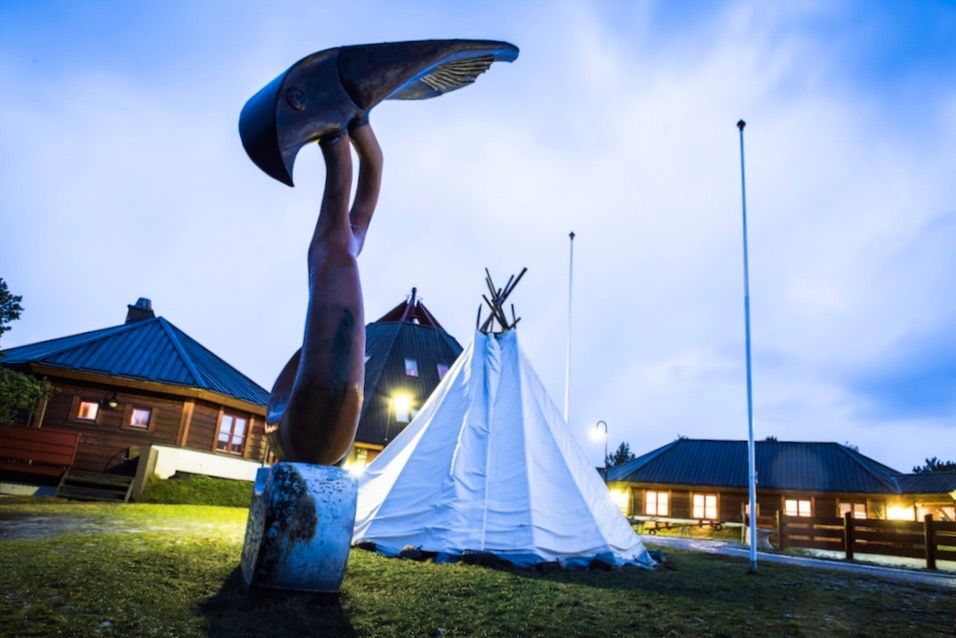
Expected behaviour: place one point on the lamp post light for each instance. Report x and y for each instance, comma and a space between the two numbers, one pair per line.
597, 432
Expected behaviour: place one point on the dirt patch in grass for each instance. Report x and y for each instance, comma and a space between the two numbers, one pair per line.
184, 582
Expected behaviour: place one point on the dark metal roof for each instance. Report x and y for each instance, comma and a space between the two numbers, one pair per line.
783, 465
928, 483
387, 345
412, 310
150, 350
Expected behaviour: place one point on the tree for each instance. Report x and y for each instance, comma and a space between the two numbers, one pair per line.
771, 437
19, 392
935, 465
10, 307
623, 454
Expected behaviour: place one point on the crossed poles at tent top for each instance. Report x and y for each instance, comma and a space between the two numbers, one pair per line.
498, 321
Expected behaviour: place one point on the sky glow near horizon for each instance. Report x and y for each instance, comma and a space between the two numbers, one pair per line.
123, 176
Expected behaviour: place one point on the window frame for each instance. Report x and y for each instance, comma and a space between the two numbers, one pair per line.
411, 364
657, 502
442, 370
96, 411
716, 509
851, 507
798, 501
229, 445
74, 416
128, 412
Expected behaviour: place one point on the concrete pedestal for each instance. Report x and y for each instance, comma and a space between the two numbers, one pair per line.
299, 528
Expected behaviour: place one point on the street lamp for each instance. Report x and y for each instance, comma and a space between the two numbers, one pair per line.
597, 433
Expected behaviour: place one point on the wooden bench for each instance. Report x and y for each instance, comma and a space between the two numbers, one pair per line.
40, 452
653, 525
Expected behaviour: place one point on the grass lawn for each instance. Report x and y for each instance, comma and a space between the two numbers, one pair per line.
171, 570
198, 490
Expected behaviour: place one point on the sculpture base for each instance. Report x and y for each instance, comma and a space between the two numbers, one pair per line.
299, 528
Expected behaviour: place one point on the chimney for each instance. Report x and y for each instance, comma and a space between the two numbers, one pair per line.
142, 309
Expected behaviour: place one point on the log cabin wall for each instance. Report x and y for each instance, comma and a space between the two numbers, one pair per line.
174, 421
204, 429
825, 505
105, 441
680, 503
730, 502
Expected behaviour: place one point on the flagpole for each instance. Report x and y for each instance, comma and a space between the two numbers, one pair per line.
751, 460
567, 366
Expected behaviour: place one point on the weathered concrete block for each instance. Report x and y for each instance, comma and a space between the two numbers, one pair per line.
299, 528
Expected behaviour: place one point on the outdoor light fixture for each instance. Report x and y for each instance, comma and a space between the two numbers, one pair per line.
355, 468
110, 402
621, 499
400, 405
401, 402
598, 433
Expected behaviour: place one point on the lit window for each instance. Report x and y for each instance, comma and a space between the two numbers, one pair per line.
411, 368
88, 410
140, 418
939, 512
656, 503
232, 434
857, 509
442, 371
705, 506
402, 406
797, 507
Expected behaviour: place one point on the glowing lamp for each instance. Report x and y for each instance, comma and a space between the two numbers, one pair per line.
900, 512
355, 468
621, 499
401, 402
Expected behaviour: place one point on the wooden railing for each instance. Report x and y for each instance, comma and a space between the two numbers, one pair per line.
927, 539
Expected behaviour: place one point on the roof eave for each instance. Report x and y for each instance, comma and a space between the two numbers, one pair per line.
149, 386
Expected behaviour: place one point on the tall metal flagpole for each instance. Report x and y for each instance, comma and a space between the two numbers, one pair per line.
751, 460
567, 367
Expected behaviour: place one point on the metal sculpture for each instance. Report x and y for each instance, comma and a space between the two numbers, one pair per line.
300, 520
325, 97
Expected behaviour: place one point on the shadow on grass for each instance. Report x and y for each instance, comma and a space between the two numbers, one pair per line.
236, 610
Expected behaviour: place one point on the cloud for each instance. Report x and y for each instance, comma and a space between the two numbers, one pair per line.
123, 177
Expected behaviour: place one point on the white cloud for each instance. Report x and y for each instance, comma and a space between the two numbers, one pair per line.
117, 185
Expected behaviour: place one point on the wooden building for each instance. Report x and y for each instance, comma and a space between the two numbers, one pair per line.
408, 352
706, 480
145, 383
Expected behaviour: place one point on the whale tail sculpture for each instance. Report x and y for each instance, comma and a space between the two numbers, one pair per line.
316, 401
323, 93
302, 514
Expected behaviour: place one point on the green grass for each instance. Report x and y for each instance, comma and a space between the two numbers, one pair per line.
171, 570
198, 490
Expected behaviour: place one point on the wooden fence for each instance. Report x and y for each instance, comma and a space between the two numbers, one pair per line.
928, 539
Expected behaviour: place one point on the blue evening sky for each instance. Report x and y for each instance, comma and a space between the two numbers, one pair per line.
121, 175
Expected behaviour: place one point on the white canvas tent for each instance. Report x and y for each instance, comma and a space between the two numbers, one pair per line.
489, 466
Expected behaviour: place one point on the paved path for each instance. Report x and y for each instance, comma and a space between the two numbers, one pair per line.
725, 548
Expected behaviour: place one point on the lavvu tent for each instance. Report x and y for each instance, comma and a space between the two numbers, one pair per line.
489, 466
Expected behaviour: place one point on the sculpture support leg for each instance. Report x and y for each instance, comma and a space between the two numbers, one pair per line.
317, 399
